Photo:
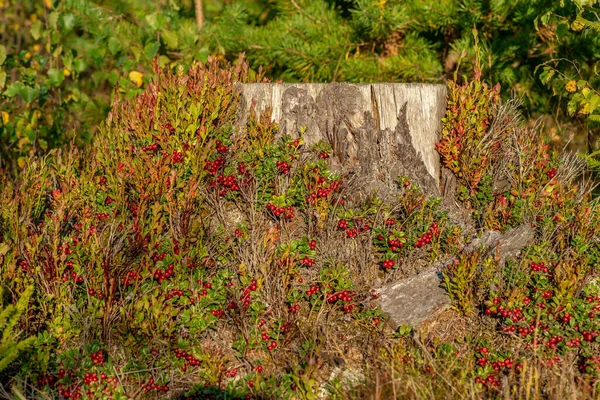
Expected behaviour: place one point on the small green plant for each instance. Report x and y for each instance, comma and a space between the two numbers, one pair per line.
10, 345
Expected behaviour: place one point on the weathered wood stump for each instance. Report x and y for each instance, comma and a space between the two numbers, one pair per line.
377, 131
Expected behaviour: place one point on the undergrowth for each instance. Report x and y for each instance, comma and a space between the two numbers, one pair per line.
180, 258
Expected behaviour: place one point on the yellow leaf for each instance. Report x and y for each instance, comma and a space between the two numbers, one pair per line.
48, 3
137, 78
5, 117
571, 86
66, 72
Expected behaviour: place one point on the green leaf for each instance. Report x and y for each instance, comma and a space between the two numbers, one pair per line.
53, 19
36, 29
572, 107
28, 93
151, 49
170, 39
163, 61
68, 22
2, 54
562, 29
202, 55
14, 89
114, 46
56, 77
79, 65
155, 20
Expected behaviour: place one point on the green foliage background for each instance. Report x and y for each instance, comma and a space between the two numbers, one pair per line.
61, 61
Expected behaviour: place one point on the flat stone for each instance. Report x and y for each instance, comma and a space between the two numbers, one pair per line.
420, 298
414, 300
508, 245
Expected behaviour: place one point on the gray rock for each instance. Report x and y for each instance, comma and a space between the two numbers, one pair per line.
416, 299
420, 298
509, 245
513, 241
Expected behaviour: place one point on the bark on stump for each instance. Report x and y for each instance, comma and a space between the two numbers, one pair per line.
377, 131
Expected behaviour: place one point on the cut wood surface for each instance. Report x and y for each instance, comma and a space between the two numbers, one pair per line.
378, 132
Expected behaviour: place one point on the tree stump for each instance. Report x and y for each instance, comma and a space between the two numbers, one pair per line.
378, 132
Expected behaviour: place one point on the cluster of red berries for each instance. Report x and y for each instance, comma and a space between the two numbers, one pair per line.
427, 236
323, 155
323, 189
551, 173
43, 379
388, 263
213, 166
23, 265
217, 313
309, 262
294, 308
351, 233
68, 394
490, 380
285, 327
344, 296
272, 345
109, 200
312, 290
66, 249
93, 293
97, 357
590, 364
283, 167
246, 296
131, 277
160, 276
312, 244
151, 148
239, 233
589, 336
221, 148
554, 341
102, 215
153, 386
174, 293
182, 354
524, 331
177, 156
394, 243
227, 183
547, 294
231, 373
550, 362
158, 256
287, 212
102, 180
343, 224
70, 273
92, 377
538, 267
265, 335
